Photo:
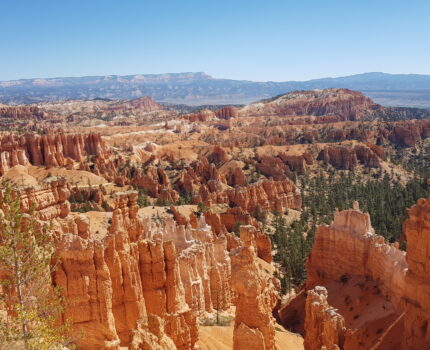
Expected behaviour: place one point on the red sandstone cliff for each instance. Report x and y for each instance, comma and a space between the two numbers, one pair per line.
49, 150
269, 195
417, 318
348, 157
381, 302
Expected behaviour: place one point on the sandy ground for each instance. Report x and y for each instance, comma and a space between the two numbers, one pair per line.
221, 338
32, 175
99, 223
151, 211
77, 177
364, 307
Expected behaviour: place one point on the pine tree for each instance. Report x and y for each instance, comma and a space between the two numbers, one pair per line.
33, 305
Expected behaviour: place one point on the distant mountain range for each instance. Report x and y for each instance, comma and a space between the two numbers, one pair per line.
409, 90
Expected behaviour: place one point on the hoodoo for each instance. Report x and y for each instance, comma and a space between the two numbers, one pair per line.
178, 228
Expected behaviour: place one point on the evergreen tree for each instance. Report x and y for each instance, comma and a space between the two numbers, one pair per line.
33, 305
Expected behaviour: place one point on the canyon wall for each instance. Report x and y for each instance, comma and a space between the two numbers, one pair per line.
349, 247
268, 194
381, 294
342, 157
417, 294
49, 150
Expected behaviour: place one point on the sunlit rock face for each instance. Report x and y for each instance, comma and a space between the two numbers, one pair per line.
343, 103
257, 294
363, 292
349, 246
142, 283
49, 150
324, 326
417, 293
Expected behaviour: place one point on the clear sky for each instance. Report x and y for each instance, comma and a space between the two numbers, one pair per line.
237, 39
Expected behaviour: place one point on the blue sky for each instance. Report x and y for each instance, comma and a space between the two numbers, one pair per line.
237, 39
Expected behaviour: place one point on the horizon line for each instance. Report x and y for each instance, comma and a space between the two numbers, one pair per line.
211, 76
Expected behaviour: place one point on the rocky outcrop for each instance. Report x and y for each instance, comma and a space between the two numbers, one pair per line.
339, 157
368, 255
48, 200
232, 216
143, 104
344, 103
21, 112
267, 194
405, 135
257, 295
236, 177
348, 157
218, 155
143, 284
283, 164
154, 180
49, 150
272, 167
325, 328
369, 156
417, 318
297, 163
200, 116
366, 285
226, 112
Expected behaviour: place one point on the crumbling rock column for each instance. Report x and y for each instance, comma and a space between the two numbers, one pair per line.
257, 293
325, 328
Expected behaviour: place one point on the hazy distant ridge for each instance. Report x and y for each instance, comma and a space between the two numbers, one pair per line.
199, 88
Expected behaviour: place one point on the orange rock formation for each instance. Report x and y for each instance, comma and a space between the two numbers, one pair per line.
325, 328
257, 294
380, 292
49, 150
417, 318
125, 287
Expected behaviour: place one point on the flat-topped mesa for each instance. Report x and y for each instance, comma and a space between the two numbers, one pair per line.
417, 319
324, 326
256, 296
49, 150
